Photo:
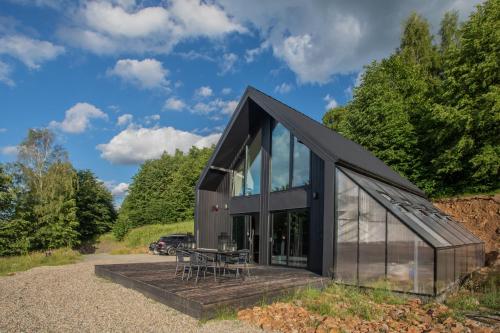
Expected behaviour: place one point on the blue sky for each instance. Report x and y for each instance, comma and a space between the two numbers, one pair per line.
121, 81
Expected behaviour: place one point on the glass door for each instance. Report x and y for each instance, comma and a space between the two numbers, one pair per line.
279, 251
299, 238
245, 233
290, 238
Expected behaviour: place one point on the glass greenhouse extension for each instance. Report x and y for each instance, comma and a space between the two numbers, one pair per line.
384, 232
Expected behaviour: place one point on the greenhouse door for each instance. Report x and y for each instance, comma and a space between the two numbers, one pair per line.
290, 238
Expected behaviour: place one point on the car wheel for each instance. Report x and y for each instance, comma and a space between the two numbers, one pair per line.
171, 251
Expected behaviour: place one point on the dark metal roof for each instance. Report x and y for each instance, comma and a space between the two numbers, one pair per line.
417, 213
323, 141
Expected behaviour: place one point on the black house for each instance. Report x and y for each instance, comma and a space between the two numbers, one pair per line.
296, 193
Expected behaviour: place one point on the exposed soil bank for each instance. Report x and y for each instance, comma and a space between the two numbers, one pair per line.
480, 214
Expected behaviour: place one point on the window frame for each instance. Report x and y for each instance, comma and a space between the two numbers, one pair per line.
290, 159
242, 157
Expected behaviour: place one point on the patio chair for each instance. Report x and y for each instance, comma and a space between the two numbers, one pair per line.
197, 261
238, 263
181, 262
210, 263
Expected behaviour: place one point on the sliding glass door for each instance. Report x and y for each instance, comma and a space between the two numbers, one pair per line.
290, 238
245, 232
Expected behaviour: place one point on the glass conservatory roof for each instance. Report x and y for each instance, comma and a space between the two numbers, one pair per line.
419, 214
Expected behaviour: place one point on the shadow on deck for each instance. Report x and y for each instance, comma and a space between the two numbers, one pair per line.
205, 299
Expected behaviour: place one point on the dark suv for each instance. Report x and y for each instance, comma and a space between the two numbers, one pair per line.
168, 244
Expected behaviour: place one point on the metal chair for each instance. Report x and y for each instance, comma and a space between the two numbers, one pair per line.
181, 262
198, 261
240, 262
243, 260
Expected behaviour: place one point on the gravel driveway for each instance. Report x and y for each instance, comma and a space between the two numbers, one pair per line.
72, 298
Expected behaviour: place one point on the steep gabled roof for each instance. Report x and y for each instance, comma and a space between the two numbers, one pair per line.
323, 141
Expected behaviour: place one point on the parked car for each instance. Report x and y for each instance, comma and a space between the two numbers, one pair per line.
168, 244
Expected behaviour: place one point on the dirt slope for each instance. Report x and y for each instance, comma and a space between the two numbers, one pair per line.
479, 214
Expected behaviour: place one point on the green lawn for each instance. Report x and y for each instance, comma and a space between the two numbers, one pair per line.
13, 264
137, 240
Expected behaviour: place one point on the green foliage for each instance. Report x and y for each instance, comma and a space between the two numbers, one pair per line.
45, 203
95, 211
57, 257
137, 240
433, 113
163, 191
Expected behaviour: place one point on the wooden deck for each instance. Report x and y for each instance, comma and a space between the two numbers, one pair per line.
205, 299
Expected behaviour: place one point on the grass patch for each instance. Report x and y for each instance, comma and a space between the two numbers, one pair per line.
345, 301
481, 292
138, 239
13, 264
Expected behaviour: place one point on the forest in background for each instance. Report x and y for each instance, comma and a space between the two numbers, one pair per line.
431, 111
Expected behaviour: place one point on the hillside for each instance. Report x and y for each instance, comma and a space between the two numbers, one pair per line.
480, 214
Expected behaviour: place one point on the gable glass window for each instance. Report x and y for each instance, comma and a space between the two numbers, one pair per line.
280, 161
247, 170
290, 160
238, 178
253, 160
301, 158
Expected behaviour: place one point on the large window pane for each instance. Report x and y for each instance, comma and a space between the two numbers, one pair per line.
280, 159
238, 178
371, 240
252, 180
301, 162
280, 238
299, 238
347, 233
239, 232
410, 261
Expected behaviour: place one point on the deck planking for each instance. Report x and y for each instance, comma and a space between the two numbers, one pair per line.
205, 299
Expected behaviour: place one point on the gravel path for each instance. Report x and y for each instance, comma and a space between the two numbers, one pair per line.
71, 298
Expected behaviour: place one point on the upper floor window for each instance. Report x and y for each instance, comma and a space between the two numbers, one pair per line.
280, 161
290, 160
247, 170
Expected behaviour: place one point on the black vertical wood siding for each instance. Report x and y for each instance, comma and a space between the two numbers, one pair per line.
211, 222
328, 217
316, 200
264, 222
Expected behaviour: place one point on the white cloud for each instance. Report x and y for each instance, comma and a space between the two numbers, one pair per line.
136, 145
119, 190
318, 39
204, 91
283, 88
330, 102
77, 118
146, 74
152, 118
215, 106
105, 27
175, 104
5, 72
9, 150
251, 54
124, 119
227, 64
31, 52
3, 130
226, 91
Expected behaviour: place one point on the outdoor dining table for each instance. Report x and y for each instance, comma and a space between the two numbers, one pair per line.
218, 254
